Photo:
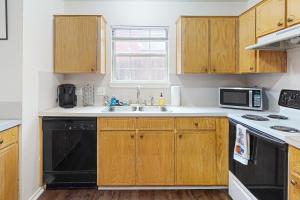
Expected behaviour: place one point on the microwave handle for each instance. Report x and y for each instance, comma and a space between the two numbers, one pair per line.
250, 98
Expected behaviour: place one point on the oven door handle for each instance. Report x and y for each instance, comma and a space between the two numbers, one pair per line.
254, 151
261, 135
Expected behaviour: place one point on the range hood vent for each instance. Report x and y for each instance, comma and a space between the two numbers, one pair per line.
279, 41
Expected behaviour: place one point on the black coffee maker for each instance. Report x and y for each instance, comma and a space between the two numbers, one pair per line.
66, 95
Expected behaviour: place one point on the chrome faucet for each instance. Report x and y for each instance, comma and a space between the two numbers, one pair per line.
138, 94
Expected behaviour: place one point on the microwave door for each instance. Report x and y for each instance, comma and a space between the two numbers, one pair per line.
235, 98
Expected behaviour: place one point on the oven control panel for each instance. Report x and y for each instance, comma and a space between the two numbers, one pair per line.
290, 99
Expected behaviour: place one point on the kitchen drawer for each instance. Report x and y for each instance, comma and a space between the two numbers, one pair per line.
117, 123
8, 137
195, 123
155, 123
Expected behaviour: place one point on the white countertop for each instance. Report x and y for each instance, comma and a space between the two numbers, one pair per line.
7, 124
97, 111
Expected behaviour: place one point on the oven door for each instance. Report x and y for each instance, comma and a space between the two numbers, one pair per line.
265, 176
235, 98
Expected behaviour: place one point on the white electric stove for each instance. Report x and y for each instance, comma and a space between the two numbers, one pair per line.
265, 177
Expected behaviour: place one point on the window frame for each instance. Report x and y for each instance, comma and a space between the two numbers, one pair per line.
145, 83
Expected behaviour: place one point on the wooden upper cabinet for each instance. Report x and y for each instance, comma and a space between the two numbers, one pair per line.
192, 45
247, 59
293, 12
79, 44
223, 41
294, 173
155, 158
270, 17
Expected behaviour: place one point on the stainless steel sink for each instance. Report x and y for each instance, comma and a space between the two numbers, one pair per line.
140, 108
120, 109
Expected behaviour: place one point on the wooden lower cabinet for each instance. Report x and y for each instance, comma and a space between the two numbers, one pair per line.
116, 158
294, 173
9, 167
193, 153
155, 158
196, 158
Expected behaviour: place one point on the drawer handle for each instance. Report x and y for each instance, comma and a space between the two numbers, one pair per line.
251, 68
290, 19
293, 182
279, 24
196, 124
1, 141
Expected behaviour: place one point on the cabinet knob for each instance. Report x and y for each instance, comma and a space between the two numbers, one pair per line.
293, 182
180, 136
251, 68
290, 19
141, 136
196, 124
1, 141
279, 24
132, 136
206, 70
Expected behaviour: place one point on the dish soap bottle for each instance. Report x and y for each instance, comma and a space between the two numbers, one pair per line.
161, 100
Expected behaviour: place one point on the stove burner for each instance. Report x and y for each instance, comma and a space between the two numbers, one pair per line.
255, 117
278, 117
285, 129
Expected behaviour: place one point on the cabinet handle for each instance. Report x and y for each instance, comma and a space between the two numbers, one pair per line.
141, 136
196, 124
206, 70
132, 136
251, 68
293, 182
290, 19
1, 141
279, 24
180, 136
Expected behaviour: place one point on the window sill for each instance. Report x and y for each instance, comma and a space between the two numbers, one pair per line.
143, 85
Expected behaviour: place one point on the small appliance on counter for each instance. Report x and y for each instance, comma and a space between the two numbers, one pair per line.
88, 92
66, 95
242, 98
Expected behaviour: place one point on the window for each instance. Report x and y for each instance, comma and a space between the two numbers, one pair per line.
140, 55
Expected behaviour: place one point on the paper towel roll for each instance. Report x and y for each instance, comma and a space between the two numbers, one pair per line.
175, 96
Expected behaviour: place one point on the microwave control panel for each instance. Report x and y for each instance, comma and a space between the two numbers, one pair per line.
257, 97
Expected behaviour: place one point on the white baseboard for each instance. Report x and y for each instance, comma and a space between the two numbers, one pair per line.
37, 194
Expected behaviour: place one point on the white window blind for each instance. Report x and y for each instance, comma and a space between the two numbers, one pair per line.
140, 55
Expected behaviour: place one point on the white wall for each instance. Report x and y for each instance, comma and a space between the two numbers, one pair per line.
39, 83
11, 63
196, 89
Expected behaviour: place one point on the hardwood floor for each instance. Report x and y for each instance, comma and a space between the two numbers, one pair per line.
135, 195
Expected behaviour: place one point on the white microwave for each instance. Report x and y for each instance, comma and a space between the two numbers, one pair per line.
241, 98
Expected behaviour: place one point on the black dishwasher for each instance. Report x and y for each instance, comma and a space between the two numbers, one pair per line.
69, 152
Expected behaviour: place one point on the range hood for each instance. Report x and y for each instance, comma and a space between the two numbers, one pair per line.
282, 40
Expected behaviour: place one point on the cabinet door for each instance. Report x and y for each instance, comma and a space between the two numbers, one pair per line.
9, 172
293, 12
155, 158
294, 173
247, 37
116, 158
75, 44
195, 43
196, 158
270, 17
223, 44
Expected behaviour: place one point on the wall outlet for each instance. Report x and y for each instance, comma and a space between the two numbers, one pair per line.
101, 91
